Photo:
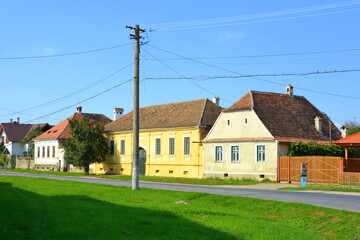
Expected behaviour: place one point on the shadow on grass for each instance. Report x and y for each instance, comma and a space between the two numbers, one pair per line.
28, 215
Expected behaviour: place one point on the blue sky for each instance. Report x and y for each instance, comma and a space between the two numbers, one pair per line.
194, 39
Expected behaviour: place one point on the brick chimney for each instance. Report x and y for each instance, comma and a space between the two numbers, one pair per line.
289, 90
118, 113
318, 124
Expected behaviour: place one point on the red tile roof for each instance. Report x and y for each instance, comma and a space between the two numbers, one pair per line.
286, 117
62, 130
182, 114
352, 140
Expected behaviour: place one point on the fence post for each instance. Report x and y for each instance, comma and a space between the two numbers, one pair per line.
289, 177
278, 170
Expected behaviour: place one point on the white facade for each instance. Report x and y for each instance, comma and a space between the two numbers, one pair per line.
240, 146
14, 148
49, 155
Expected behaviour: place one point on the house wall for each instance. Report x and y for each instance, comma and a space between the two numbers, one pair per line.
247, 166
242, 124
243, 129
49, 162
177, 165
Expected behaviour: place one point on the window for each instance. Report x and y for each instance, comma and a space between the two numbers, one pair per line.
48, 151
246, 121
157, 146
122, 147
43, 152
260, 153
53, 153
228, 122
171, 146
235, 153
218, 153
112, 145
186, 145
38, 152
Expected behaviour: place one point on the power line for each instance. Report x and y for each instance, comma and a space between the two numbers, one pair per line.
87, 99
266, 55
214, 94
251, 18
64, 54
68, 95
257, 78
202, 77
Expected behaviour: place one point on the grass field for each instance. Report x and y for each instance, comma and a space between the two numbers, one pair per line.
33, 208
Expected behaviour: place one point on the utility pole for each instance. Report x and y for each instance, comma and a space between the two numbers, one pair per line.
135, 172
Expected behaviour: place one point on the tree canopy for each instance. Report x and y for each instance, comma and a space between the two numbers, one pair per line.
88, 144
353, 125
29, 138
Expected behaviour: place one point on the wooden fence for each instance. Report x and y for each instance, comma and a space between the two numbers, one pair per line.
321, 169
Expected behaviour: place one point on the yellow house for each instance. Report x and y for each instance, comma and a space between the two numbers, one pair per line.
170, 139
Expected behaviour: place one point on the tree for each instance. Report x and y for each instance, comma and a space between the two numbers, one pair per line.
353, 125
88, 144
2, 148
29, 138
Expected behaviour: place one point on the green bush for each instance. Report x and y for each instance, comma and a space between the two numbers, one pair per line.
315, 149
2, 159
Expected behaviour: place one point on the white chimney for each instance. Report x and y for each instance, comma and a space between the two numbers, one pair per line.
216, 100
318, 124
18, 119
79, 109
118, 113
11, 120
344, 131
289, 90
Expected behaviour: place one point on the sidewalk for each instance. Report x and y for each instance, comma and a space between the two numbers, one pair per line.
264, 186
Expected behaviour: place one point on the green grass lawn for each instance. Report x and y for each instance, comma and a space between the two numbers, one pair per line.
341, 188
33, 208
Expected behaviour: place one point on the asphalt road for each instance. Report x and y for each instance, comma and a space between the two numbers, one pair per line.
343, 201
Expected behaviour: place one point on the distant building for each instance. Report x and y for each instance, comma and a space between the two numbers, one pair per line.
13, 134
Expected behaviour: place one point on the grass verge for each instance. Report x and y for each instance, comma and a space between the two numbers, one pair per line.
50, 209
338, 188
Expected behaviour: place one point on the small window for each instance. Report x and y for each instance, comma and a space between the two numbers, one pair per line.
186, 145
246, 121
43, 152
157, 146
122, 147
260, 153
235, 153
38, 152
48, 151
228, 121
218, 154
112, 147
171, 146
53, 152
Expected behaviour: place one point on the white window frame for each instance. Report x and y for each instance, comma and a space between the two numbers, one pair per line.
216, 153
256, 153
112, 147
231, 153
156, 146
122, 146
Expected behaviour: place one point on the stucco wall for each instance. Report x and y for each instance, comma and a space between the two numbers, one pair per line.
247, 166
43, 162
177, 165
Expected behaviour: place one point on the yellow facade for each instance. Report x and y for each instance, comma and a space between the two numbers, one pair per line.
159, 162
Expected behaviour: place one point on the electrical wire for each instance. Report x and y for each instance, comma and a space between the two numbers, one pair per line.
257, 78
64, 54
68, 95
214, 94
87, 99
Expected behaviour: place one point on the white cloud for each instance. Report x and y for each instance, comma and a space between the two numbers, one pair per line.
48, 51
226, 36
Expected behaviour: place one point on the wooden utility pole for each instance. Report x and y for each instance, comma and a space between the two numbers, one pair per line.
135, 172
